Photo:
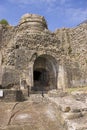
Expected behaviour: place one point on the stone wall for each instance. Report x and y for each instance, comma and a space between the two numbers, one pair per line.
12, 95
23, 44
74, 52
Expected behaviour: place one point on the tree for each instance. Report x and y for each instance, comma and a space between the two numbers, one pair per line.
3, 21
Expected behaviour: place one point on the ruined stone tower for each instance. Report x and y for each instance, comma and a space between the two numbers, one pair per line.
32, 55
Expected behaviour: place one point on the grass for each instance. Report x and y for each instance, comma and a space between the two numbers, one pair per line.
70, 90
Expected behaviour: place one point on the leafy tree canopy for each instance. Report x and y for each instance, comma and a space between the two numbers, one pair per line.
3, 21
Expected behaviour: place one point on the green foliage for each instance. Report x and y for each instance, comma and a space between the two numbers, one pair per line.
70, 90
4, 22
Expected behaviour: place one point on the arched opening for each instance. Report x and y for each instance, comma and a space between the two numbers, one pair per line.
45, 73
41, 79
37, 75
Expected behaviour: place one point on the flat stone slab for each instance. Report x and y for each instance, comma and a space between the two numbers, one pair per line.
44, 113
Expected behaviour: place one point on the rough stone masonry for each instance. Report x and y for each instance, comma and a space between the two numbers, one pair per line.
31, 55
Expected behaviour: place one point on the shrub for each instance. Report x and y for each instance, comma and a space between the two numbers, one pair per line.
3, 21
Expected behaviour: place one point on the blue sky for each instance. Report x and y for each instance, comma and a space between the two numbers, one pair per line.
58, 13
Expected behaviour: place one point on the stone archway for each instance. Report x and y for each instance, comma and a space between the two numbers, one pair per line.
45, 73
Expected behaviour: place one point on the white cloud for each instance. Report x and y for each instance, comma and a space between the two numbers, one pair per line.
59, 1
39, 1
36, 3
75, 15
62, 2
2, 11
60, 8
19, 1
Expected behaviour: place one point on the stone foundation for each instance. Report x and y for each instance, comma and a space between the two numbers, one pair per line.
12, 95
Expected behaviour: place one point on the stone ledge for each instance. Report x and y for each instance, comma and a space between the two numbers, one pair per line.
12, 95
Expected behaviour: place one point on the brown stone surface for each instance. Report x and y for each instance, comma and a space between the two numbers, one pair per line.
30, 39
33, 114
48, 113
32, 56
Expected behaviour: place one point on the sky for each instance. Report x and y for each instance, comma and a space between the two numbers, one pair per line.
58, 13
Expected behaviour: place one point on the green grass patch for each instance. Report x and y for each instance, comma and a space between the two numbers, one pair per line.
70, 90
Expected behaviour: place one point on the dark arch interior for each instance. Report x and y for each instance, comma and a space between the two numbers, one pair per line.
44, 73
41, 79
37, 75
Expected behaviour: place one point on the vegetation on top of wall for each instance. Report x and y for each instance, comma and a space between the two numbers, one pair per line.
4, 22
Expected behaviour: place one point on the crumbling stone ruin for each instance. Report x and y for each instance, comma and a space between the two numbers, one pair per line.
36, 60
33, 56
